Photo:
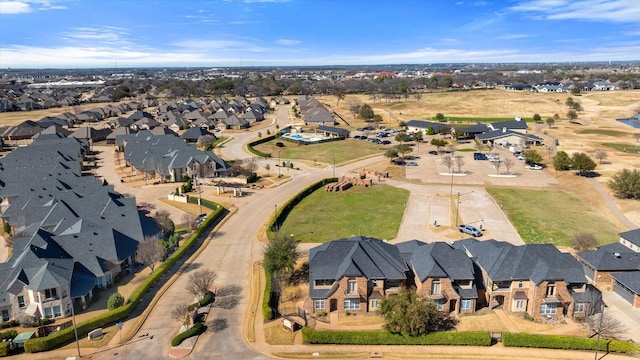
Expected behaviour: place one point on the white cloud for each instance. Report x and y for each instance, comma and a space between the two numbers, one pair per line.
287, 42
514, 36
25, 6
590, 10
14, 7
97, 35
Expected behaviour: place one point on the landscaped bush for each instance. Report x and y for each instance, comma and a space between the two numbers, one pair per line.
567, 343
206, 299
378, 337
197, 329
4, 349
67, 335
258, 142
206, 203
115, 301
267, 311
8, 335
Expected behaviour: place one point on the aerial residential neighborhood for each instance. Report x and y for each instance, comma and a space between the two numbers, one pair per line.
249, 180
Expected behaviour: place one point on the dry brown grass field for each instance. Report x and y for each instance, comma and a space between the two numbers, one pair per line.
601, 109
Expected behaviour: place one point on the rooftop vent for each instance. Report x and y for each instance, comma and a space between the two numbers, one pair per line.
617, 255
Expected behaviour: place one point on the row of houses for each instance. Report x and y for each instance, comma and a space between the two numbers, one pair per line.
71, 234
464, 276
598, 85
503, 133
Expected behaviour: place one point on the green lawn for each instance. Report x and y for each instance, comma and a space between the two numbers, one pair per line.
543, 216
341, 150
626, 148
323, 216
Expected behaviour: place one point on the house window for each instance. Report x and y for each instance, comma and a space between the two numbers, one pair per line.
56, 311
435, 287
323, 283
465, 304
578, 308
5, 315
519, 304
551, 290
548, 309
375, 303
47, 312
440, 305
520, 284
352, 286
351, 304
320, 304
21, 301
50, 293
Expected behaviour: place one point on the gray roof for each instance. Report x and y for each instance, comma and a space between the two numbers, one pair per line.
333, 130
421, 124
500, 133
195, 133
435, 260
356, 256
512, 124
630, 280
536, 262
612, 257
632, 236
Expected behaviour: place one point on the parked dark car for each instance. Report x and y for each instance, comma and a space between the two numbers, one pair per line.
479, 156
433, 152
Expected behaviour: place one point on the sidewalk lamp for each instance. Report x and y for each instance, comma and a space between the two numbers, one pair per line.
119, 325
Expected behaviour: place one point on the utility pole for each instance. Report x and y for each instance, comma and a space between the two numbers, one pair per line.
595, 356
75, 328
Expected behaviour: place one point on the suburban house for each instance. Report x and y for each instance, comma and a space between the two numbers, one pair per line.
506, 137
313, 112
616, 266
72, 233
332, 132
537, 279
355, 274
423, 126
168, 157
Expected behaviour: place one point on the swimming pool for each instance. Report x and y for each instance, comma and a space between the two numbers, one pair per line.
631, 122
307, 138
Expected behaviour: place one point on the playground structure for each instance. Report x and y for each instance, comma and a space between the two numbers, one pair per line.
347, 182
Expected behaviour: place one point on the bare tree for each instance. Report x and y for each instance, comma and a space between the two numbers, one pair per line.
451, 149
188, 220
508, 163
200, 281
180, 312
150, 251
600, 155
584, 241
251, 165
163, 218
497, 164
609, 328
459, 161
447, 161
268, 168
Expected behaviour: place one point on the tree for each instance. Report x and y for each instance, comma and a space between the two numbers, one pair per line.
417, 96
418, 136
562, 161
366, 112
206, 141
556, 117
281, 254
451, 149
438, 143
577, 106
600, 155
200, 282
626, 183
402, 137
447, 161
497, 165
508, 163
572, 115
610, 327
166, 224
403, 149
408, 314
439, 116
391, 153
576, 90
180, 313
149, 252
339, 93
549, 121
584, 241
459, 161
582, 162
532, 156
115, 301
569, 102
430, 130
536, 117
268, 168
354, 106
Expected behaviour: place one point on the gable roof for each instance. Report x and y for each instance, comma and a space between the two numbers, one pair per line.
630, 280
632, 236
501, 133
612, 257
536, 262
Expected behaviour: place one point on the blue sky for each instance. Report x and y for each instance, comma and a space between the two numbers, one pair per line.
216, 33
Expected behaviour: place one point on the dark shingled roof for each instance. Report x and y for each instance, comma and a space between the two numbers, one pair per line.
630, 280
632, 236
612, 257
536, 262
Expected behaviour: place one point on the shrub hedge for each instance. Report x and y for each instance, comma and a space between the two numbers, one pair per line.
4, 349
196, 329
208, 296
206, 203
379, 337
67, 335
267, 311
284, 211
567, 343
8, 335
258, 142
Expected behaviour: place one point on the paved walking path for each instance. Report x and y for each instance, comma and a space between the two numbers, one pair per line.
612, 205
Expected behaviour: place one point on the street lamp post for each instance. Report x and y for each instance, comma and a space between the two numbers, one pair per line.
75, 328
458, 206
276, 218
279, 163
